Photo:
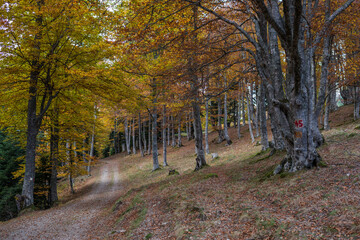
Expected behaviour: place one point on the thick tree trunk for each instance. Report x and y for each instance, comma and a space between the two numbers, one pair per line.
262, 116
33, 121
207, 126
195, 132
164, 136
200, 159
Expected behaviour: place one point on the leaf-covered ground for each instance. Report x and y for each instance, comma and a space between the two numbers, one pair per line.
236, 197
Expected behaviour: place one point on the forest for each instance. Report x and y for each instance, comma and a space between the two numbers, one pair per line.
84, 80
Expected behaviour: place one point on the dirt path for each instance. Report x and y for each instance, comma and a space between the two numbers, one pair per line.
81, 218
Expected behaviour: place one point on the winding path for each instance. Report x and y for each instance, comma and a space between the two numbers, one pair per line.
81, 218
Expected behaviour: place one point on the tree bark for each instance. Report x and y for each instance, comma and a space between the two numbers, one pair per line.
149, 133
221, 136
92, 146
195, 132
164, 136
207, 126
127, 136
252, 112
33, 121
154, 127
140, 135
154, 140
173, 141
179, 131
357, 103
70, 164
262, 116
133, 136
249, 120
144, 138
239, 113
200, 159
226, 133
168, 132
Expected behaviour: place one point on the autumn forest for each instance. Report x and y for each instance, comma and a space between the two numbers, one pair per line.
145, 83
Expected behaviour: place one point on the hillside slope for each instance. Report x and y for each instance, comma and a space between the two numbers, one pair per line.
236, 197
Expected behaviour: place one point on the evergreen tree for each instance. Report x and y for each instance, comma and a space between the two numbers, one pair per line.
10, 154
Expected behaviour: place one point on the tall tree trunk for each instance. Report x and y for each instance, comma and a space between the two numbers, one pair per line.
188, 127
92, 146
33, 121
140, 144
252, 112
262, 116
154, 127
200, 159
226, 133
357, 103
239, 113
257, 112
221, 136
70, 164
195, 132
154, 140
115, 137
249, 120
179, 132
127, 136
173, 141
164, 136
133, 136
168, 133
207, 126
144, 137
149, 133
243, 109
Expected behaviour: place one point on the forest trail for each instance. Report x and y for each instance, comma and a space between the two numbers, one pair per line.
81, 218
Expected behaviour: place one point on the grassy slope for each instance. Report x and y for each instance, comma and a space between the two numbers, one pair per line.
236, 198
